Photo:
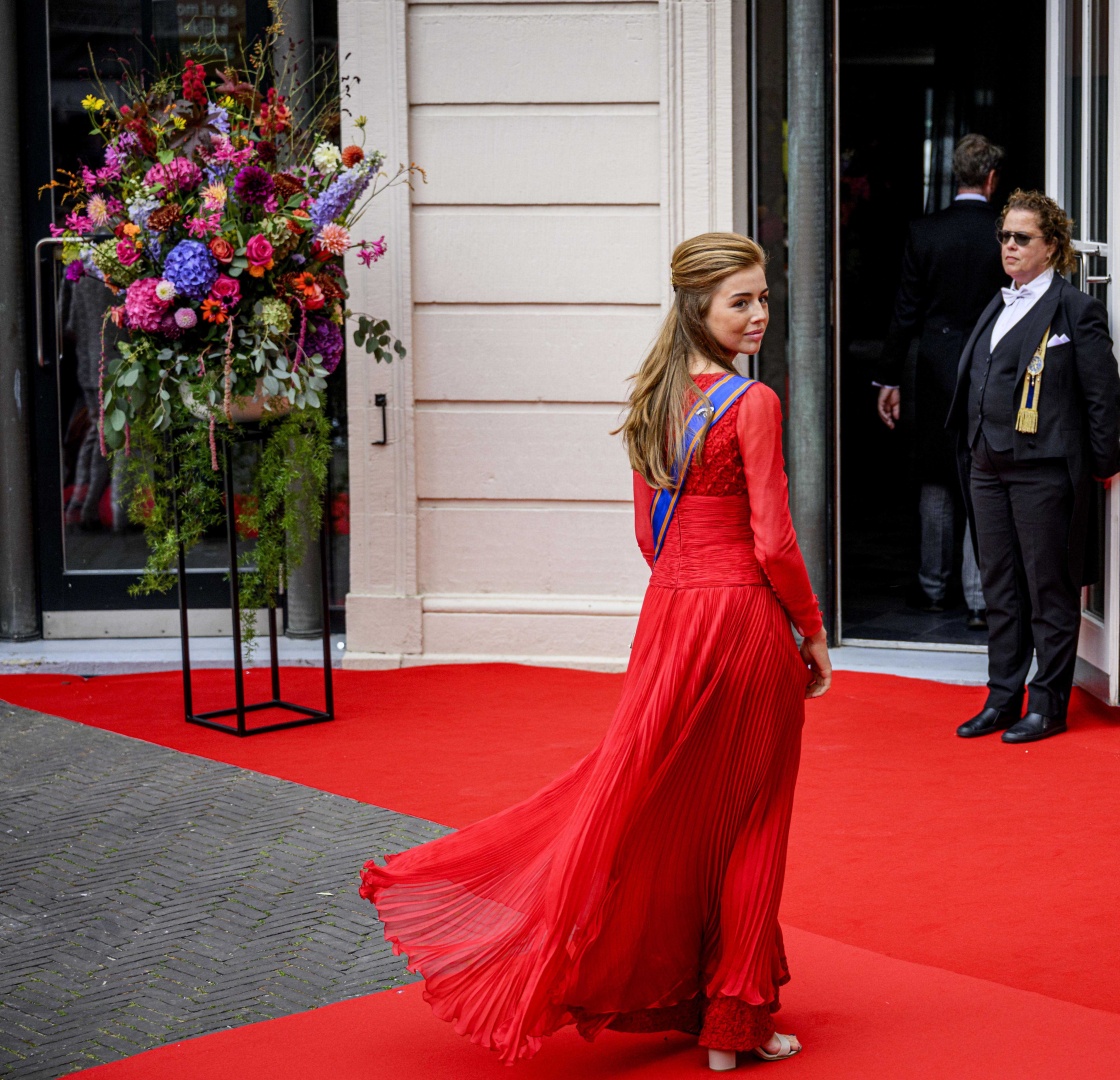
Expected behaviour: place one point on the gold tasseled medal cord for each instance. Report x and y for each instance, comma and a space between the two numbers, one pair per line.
1027, 420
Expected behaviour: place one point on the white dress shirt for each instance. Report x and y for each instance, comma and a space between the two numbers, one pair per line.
1018, 301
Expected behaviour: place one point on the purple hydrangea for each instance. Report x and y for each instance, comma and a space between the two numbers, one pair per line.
191, 269
140, 209
253, 185
75, 270
334, 200
325, 338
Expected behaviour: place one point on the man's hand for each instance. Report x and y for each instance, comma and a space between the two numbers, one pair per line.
888, 405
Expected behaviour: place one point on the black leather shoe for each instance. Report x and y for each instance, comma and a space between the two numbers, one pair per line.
977, 619
987, 722
1032, 727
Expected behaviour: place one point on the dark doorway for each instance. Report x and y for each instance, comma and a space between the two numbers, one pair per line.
913, 79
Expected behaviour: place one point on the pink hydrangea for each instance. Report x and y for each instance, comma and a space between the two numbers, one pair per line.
143, 308
179, 174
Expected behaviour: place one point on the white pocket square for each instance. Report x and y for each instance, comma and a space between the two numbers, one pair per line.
1057, 339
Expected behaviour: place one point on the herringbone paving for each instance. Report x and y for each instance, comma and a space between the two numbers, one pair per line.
148, 895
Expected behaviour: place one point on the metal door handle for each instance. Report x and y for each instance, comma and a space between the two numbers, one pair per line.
47, 240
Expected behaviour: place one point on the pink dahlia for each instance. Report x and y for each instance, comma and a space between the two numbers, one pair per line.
143, 308
334, 238
98, 209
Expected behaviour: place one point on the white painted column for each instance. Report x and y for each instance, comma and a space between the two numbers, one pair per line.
703, 162
382, 608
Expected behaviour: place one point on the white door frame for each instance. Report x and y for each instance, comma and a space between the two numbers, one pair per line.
1098, 649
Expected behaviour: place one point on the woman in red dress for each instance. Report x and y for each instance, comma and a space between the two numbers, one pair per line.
640, 890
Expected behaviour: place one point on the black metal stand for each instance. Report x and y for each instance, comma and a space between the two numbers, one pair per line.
241, 709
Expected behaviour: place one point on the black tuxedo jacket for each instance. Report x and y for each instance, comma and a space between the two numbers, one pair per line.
949, 271
1079, 404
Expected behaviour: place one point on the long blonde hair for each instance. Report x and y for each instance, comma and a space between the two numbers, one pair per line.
655, 418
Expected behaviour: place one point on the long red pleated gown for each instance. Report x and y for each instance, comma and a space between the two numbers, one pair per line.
640, 890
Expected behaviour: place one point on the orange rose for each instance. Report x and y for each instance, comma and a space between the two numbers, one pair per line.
222, 250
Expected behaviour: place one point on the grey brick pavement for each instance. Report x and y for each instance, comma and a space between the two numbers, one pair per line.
148, 895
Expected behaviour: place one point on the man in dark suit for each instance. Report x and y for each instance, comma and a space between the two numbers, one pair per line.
1037, 405
949, 271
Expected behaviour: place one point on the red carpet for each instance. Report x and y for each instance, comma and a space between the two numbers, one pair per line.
997, 863
861, 1015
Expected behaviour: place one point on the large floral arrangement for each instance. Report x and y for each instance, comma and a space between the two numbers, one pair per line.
220, 220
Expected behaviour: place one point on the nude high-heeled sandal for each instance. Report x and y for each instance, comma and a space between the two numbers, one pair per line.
786, 1050
721, 1060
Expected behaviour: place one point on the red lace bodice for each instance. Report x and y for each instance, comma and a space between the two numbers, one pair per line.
719, 470
742, 459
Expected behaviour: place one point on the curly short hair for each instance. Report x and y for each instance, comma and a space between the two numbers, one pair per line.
975, 157
1053, 222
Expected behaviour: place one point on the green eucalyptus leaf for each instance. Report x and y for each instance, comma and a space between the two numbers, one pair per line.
116, 420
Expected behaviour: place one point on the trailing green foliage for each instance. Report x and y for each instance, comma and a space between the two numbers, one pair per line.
284, 510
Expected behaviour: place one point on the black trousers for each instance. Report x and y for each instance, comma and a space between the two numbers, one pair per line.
1023, 513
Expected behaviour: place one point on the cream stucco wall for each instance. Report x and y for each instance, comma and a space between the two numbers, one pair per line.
568, 147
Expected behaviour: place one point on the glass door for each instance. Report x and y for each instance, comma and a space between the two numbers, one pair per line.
1078, 160
89, 552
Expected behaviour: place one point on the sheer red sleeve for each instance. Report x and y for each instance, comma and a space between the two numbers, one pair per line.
643, 527
759, 426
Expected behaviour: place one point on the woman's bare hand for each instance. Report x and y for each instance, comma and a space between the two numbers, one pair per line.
814, 651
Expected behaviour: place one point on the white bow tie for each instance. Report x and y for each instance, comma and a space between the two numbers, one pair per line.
1011, 295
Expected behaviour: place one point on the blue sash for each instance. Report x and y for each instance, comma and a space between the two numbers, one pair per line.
722, 396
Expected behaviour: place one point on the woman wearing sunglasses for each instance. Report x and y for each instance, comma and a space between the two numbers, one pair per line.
1037, 404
